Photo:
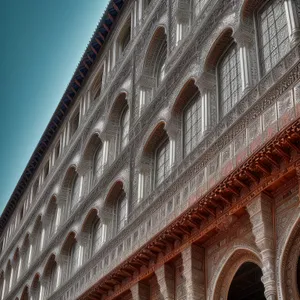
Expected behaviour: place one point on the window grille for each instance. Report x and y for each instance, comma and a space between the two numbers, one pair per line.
273, 34
229, 79
192, 123
162, 162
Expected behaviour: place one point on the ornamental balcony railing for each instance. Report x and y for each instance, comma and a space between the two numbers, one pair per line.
259, 116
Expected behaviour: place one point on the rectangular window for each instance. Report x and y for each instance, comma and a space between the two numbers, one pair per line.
273, 35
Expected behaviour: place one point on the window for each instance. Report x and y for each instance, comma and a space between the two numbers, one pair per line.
57, 150
73, 259
161, 63
124, 38
75, 192
192, 124
46, 169
52, 224
121, 211
162, 162
97, 237
35, 190
74, 123
52, 278
229, 79
98, 163
96, 88
124, 128
21, 213
273, 36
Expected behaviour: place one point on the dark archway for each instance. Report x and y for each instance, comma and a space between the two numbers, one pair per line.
298, 275
247, 284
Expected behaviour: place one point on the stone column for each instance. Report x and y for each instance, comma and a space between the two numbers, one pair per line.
206, 85
260, 212
293, 22
193, 272
166, 282
140, 291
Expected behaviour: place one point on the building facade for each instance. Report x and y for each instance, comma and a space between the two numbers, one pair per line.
171, 167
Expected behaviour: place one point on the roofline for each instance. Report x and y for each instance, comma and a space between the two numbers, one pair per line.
92, 51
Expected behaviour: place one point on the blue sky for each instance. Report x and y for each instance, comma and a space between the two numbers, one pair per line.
41, 45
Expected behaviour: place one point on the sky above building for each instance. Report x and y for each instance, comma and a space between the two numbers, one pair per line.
41, 44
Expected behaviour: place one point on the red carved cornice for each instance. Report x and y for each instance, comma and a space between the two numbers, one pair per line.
278, 158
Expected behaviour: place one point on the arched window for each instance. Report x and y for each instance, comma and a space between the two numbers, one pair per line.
124, 128
162, 162
247, 283
273, 35
37, 238
161, 63
8, 278
16, 266
121, 211
192, 124
36, 289
73, 259
50, 274
229, 76
25, 295
26, 255
98, 163
75, 191
97, 236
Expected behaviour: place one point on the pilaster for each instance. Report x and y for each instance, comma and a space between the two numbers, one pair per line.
260, 212
245, 38
140, 291
193, 272
293, 22
166, 282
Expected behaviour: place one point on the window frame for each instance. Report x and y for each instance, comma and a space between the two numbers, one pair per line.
165, 141
260, 60
190, 102
221, 114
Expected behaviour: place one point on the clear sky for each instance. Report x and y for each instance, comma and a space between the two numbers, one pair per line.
41, 44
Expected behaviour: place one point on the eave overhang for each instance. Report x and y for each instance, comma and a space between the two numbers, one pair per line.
93, 49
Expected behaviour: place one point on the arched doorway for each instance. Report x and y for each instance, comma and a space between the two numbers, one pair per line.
247, 284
